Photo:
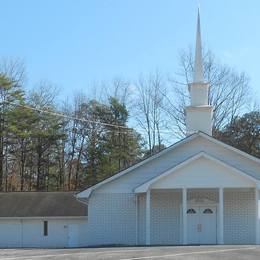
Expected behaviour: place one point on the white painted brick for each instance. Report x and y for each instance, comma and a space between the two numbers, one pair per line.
165, 217
112, 219
239, 217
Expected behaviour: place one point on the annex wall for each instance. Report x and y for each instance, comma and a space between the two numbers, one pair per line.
10, 233
28, 232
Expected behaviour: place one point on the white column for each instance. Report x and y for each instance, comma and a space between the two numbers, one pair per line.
257, 215
148, 217
184, 216
136, 219
221, 217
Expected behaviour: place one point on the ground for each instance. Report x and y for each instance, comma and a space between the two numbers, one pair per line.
136, 253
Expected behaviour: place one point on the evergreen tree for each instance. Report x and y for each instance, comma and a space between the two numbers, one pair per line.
46, 136
243, 133
21, 129
122, 144
103, 148
11, 95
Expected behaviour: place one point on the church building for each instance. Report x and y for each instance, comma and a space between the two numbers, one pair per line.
197, 191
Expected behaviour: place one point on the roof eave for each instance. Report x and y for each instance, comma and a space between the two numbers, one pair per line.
232, 148
87, 193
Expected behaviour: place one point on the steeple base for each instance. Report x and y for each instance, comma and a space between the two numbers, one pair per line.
199, 118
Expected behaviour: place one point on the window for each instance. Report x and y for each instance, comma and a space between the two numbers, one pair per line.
208, 211
45, 228
191, 211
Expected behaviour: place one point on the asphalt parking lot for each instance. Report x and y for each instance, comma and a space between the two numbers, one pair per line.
136, 253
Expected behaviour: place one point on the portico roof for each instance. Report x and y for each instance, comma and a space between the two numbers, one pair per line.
234, 171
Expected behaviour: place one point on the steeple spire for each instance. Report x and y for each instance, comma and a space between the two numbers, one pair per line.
198, 65
199, 112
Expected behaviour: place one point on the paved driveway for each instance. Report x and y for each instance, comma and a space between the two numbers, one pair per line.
136, 253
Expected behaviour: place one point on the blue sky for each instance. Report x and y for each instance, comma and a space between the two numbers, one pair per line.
74, 43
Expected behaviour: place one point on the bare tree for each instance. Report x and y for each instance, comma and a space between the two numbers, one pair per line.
75, 140
47, 132
14, 69
44, 95
151, 93
121, 90
229, 90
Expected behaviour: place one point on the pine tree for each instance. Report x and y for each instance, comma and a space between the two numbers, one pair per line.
11, 95
243, 133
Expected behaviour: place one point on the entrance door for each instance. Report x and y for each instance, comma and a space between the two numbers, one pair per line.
202, 224
208, 221
193, 221
73, 231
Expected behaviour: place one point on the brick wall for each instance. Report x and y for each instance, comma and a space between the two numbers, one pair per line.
239, 217
112, 219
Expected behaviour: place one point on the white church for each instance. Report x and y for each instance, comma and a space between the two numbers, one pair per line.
197, 191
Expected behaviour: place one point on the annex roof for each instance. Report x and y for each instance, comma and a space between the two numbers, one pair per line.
41, 204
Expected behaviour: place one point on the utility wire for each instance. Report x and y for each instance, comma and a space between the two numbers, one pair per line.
71, 117
127, 130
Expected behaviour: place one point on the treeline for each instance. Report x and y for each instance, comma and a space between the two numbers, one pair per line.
40, 149
46, 144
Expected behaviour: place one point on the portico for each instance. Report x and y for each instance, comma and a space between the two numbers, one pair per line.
211, 221
202, 206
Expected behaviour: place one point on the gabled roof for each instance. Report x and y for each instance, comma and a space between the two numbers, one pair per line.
87, 192
145, 186
40, 204
229, 147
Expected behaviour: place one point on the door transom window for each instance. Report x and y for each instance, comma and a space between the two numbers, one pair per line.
191, 211
207, 211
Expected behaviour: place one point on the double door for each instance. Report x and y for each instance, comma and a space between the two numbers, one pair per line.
202, 225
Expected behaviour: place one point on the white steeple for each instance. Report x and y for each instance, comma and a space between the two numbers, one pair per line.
198, 66
199, 113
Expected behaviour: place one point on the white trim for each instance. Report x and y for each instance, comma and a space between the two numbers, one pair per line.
257, 216
184, 217
148, 218
143, 188
136, 219
221, 217
212, 139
